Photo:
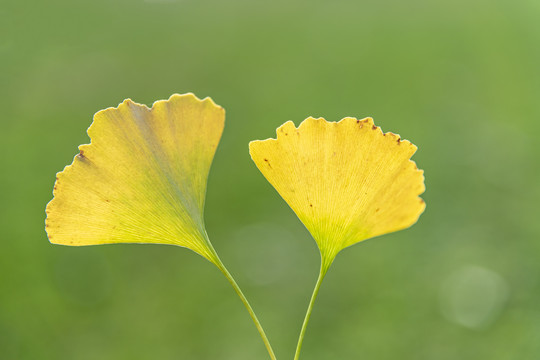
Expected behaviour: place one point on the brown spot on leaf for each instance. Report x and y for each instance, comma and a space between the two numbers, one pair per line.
310, 205
398, 141
268, 162
374, 127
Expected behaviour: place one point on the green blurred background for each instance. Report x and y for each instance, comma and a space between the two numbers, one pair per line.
459, 78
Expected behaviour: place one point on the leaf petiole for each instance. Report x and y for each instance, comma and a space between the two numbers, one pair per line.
258, 325
322, 273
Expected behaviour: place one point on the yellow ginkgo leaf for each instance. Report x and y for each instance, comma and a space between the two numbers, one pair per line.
142, 179
347, 181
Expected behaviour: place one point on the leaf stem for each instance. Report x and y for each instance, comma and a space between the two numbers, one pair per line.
248, 307
322, 274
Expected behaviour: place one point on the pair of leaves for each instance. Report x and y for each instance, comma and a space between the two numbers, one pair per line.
142, 179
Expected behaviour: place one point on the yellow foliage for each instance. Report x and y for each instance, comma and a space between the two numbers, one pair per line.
142, 179
347, 181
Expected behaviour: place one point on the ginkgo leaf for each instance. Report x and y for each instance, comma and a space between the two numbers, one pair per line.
142, 179
347, 181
